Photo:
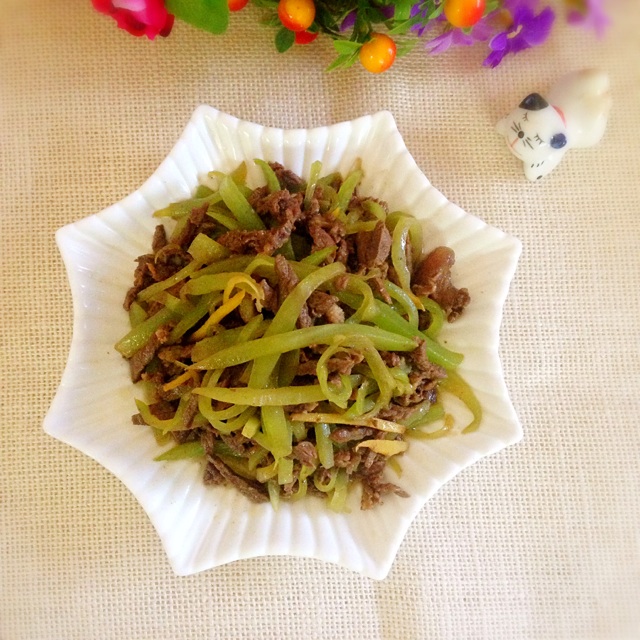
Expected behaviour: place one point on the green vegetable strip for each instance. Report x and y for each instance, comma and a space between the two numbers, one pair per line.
437, 316
220, 215
182, 209
137, 314
345, 193
190, 319
237, 263
285, 320
239, 205
425, 414
314, 174
366, 309
140, 334
208, 346
398, 253
400, 295
454, 384
274, 397
285, 471
299, 338
288, 367
381, 374
338, 500
318, 257
269, 175
375, 208
324, 446
386, 318
325, 488
182, 451
276, 428
205, 249
157, 287
170, 424
304, 473
338, 395
208, 283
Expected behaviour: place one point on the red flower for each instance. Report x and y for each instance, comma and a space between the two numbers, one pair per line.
139, 17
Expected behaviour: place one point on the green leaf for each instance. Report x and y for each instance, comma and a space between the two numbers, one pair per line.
402, 9
284, 39
346, 47
208, 15
405, 47
343, 61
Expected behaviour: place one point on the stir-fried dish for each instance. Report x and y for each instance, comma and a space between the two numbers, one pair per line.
287, 335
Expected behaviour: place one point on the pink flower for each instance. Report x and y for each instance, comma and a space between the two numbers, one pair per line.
139, 17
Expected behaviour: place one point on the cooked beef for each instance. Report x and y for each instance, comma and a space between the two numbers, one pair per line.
374, 487
325, 305
395, 412
287, 179
373, 246
186, 435
342, 363
306, 453
347, 434
252, 490
270, 302
420, 358
144, 356
159, 239
347, 459
253, 242
172, 254
282, 206
142, 278
192, 227
162, 410
325, 231
287, 281
432, 277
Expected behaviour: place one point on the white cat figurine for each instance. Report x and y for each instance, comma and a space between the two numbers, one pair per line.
574, 115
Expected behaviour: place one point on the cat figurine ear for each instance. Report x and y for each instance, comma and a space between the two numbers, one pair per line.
541, 130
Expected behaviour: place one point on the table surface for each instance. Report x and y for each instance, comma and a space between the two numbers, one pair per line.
541, 540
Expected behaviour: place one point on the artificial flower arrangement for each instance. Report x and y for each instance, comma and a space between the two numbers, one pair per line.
373, 32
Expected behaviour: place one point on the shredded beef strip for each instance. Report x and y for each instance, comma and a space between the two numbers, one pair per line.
305, 452
253, 242
144, 355
252, 490
287, 179
432, 277
287, 281
373, 246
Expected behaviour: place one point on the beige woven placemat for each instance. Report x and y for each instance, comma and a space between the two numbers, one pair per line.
540, 541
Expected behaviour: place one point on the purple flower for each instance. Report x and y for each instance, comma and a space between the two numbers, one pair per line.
589, 14
527, 30
457, 37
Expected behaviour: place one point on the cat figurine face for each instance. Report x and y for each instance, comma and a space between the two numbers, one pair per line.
536, 133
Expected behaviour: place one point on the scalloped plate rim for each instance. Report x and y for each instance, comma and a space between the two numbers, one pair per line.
378, 567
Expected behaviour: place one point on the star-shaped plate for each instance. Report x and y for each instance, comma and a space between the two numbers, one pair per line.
202, 527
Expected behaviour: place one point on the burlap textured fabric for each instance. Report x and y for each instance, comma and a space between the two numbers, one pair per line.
541, 541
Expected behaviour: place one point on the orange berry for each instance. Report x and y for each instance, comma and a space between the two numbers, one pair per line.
378, 53
297, 15
464, 13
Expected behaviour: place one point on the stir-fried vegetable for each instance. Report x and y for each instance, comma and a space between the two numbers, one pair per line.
286, 337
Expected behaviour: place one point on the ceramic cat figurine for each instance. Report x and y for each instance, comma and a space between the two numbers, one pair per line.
573, 115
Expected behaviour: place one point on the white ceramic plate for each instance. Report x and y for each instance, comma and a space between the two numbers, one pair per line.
203, 527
